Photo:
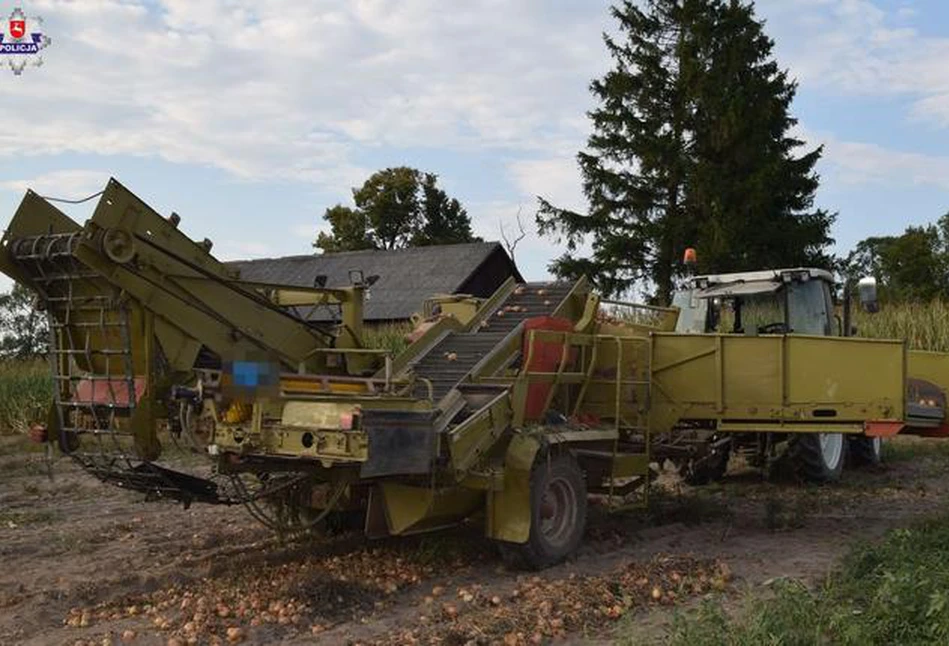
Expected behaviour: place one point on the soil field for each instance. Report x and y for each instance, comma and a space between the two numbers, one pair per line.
86, 563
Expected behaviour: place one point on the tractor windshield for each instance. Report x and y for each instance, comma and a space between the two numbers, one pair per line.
795, 308
761, 313
765, 306
809, 307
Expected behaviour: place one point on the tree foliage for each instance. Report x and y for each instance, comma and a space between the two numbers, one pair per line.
913, 266
24, 332
395, 208
690, 147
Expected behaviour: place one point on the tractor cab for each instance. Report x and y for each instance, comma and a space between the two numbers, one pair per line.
772, 301
797, 301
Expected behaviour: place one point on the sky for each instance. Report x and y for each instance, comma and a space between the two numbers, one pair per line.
250, 118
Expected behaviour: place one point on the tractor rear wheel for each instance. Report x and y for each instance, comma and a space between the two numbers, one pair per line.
558, 514
866, 451
818, 457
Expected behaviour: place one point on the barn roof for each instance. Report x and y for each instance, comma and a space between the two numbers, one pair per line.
406, 276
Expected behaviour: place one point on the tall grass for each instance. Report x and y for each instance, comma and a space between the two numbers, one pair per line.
387, 336
26, 388
25, 394
925, 326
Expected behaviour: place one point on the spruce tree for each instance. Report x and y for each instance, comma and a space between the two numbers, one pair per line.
751, 195
634, 167
689, 148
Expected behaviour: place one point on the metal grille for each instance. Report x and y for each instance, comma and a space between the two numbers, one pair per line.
96, 386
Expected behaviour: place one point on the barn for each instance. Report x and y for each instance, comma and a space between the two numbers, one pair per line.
406, 276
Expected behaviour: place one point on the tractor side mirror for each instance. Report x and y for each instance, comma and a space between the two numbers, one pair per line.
867, 289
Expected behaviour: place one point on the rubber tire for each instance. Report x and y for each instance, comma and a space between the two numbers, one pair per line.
806, 456
863, 453
711, 470
538, 553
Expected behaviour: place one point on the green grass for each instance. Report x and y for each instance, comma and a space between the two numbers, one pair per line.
894, 592
25, 394
387, 336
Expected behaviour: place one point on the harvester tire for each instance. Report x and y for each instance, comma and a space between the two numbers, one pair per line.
866, 451
558, 514
818, 457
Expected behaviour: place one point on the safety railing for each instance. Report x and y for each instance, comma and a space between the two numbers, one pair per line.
596, 376
602, 381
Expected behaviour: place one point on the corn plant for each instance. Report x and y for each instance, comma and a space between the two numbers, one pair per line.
25, 394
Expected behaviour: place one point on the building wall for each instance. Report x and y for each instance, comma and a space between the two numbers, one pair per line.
492, 273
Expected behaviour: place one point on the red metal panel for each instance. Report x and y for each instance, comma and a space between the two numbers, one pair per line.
545, 357
111, 391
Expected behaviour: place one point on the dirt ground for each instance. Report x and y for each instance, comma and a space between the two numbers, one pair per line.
85, 563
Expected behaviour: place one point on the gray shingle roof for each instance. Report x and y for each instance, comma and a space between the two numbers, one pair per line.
406, 276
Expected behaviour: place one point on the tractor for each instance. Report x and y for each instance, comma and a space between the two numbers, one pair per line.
798, 301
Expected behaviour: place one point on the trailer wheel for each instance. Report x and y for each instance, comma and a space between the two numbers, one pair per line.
866, 451
558, 515
818, 457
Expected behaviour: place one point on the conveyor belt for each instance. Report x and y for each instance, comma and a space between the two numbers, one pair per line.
451, 359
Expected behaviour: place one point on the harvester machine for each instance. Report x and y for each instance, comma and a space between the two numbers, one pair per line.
140, 317
512, 410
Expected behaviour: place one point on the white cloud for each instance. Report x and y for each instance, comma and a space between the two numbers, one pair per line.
864, 163
288, 91
556, 179
285, 90
859, 47
906, 11
306, 230
66, 184
242, 250
872, 164
933, 109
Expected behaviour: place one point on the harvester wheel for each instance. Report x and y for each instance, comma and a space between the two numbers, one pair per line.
818, 457
558, 514
866, 451
118, 245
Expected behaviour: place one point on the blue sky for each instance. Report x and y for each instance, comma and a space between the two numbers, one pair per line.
249, 118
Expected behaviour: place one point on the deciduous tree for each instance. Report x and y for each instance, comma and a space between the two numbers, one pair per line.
913, 266
395, 208
24, 332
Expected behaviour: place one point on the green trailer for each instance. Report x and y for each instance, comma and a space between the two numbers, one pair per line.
512, 409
